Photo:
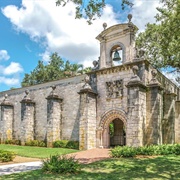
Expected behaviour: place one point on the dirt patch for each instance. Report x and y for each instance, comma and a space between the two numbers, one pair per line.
20, 159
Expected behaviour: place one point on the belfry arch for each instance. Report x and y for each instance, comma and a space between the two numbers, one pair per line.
118, 117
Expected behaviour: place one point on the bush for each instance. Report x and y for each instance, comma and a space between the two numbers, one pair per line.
6, 156
73, 145
123, 151
13, 141
60, 143
66, 144
61, 165
176, 149
35, 143
146, 150
164, 149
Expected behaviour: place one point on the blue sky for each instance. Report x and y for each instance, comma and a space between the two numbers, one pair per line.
30, 30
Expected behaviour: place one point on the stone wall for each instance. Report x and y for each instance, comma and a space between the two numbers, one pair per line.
145, 101
67, 89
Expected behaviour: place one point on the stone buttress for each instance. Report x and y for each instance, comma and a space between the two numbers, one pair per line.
87, 124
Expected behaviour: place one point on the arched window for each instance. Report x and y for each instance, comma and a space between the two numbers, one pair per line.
116, 55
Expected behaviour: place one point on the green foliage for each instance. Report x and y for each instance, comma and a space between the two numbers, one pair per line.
90, 9
61, 165
123, 151
169, 149
161, 40
56, 69
147, 150
66, 144
165, 149
35, 143
6, 156
111, 129
60, 143
73, 145
13, 141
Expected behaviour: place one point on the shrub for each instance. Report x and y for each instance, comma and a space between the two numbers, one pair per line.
164, 149
123, 151
35, 143
60, 143
61, 165
13, 141
6, 156
73, 145
41, 144
146, 150
66, 144
177, 149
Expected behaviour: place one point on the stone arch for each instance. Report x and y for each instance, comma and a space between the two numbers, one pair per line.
123, 50
110, 115
106, 119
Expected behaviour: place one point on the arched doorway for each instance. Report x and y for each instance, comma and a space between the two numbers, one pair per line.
118, 119
117, 133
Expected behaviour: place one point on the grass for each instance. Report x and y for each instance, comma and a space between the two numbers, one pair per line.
35, 152
159, 168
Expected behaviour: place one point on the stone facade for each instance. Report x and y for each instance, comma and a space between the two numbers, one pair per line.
141, 104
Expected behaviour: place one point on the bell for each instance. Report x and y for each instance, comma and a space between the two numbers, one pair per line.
116, 56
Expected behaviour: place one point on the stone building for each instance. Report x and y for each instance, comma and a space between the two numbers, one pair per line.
123, 91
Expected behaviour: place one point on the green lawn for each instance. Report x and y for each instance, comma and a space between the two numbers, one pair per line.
36, 152
159, 168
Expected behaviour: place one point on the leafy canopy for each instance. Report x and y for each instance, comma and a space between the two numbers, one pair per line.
56, 69
90, 9
162, 40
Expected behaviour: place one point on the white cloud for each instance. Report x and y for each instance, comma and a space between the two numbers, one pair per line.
4, 55
144, 11
9, 81
56, 28
13, 68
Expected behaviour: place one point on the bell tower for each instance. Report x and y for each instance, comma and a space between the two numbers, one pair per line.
117, 44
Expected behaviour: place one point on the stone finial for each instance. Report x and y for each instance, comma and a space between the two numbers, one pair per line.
135, 78
26, 97
135, 70
5, 97
104, 25
6, 101
141, 53
52, 93
96, 65
154, 77
129, 17
87, 81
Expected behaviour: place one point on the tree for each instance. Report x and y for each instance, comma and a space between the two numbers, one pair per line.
54, 70
161, 40
90, 8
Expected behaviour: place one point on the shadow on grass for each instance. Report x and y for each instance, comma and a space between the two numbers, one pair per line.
115, 169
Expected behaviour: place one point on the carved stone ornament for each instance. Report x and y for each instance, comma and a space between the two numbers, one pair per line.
86, 85
135, 77
52, 93
6, 101
27, 98
114, 89
154, 77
